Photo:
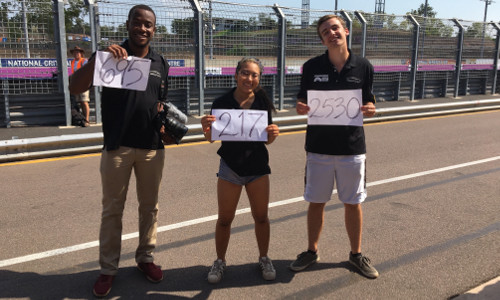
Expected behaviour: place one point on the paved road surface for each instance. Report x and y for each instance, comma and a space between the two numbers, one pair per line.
432, 222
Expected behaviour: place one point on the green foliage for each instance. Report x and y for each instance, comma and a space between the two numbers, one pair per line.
474, 31
266, 22
40, 18
73, 17
420, 11
183, 26
430, 25
237, 50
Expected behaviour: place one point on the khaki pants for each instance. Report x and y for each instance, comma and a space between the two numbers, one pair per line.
116, 168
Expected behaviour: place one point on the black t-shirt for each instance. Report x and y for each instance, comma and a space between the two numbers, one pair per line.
319, 73
127, 115
244, 158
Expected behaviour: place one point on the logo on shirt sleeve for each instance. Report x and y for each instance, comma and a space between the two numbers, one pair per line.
321, 78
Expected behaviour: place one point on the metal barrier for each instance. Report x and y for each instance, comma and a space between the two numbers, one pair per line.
24, 149
413, 57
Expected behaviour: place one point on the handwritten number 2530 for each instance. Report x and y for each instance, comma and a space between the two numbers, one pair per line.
242, 127
122, 66
337, 106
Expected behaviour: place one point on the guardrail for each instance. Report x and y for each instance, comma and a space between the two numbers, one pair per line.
52, 146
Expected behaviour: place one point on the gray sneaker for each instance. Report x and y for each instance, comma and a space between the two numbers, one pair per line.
304, 260
268, 271
363, 264
216, 272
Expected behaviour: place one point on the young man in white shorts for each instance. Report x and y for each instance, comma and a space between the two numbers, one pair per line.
335, 153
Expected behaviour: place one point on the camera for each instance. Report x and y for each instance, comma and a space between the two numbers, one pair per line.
174, 121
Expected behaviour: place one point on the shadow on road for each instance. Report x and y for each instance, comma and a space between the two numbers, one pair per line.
181, 283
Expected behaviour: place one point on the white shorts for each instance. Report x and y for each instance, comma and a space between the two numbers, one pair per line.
83, 97
347, 170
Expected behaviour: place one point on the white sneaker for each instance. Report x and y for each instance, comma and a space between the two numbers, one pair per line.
216, 272
268, 271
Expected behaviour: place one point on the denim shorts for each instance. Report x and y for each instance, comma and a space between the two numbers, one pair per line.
229, 175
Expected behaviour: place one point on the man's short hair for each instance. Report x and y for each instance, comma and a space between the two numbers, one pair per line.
325, 18
140, 6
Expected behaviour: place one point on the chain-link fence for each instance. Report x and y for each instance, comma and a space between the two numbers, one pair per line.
413, 57
27, 48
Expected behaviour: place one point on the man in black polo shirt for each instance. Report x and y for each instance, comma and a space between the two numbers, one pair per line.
131, 142
335, 153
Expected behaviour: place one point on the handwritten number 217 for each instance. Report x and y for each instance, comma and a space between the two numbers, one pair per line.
242, 127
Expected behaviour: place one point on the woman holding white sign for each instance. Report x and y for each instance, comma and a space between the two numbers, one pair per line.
243, 163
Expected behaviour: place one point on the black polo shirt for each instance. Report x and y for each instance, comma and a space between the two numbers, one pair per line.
244, 158
319, 73
127, 115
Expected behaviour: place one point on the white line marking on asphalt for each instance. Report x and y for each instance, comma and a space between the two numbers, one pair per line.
60, 251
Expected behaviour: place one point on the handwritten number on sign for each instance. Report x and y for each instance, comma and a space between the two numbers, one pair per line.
121, 63
130, 69
311, 102
227, 124
256, 121
122, 66
337, 109
108, 76
242, 127
242, 122
130, 73
357, 108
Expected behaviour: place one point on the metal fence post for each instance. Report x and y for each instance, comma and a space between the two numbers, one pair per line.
348, 23
5, 87
62, 57
495, 59
363, 32
92, 6
200, 54
281, 54
414, 56
458, 63
25, 29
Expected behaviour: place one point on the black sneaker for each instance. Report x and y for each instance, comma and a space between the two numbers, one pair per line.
304, 260
363, 264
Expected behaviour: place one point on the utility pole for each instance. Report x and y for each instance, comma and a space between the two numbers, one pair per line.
380, 6
211, 30
486, 3
25, 27
306, 6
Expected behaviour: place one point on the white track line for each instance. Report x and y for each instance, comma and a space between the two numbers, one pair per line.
60, 251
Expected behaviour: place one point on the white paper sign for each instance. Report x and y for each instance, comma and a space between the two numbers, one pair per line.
341, 107
131, 73
239, 125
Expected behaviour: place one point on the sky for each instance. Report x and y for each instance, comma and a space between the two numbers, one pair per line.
468, 10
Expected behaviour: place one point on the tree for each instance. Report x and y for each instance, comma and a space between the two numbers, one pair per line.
430, 25
73, 17
266, 22
4, 14
421, 11
474, 31
183, 27
40, 18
